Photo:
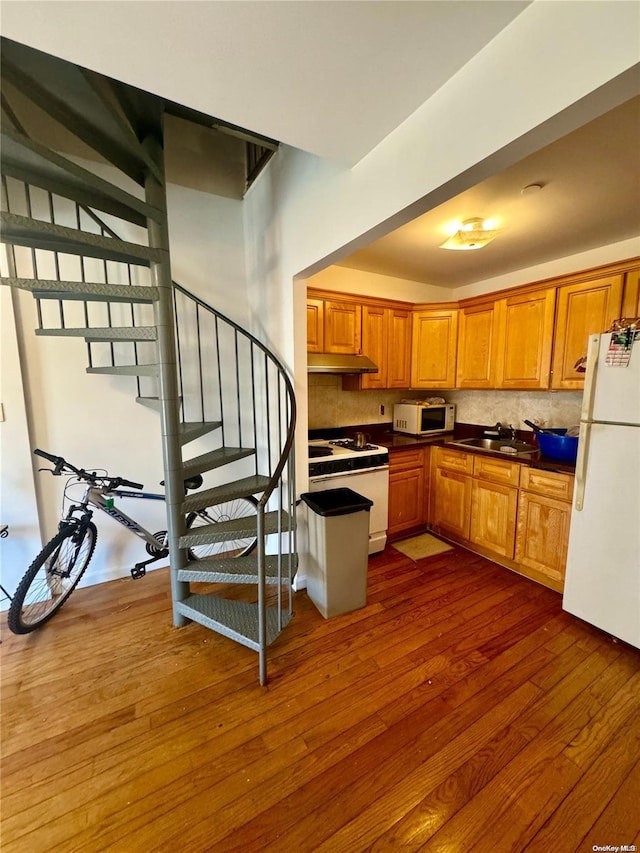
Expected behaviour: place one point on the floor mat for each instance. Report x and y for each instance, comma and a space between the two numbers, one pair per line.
418, 547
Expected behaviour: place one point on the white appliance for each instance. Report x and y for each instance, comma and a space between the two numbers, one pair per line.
602, 583
419, 418
339, 464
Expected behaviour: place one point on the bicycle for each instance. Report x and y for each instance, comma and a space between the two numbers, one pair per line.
58, 568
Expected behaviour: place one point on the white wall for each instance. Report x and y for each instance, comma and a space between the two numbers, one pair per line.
561, 266
347, 280
94, 421
542, 77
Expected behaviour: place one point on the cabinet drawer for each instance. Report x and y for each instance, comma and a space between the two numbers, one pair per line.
454, 460
496, 470
402, 460
548, 483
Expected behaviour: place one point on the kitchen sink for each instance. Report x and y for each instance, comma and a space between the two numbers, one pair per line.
503, 446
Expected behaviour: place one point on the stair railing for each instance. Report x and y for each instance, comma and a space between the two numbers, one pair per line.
224, 373
264, 419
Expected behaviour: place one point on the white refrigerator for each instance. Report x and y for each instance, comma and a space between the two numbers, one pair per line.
602, 584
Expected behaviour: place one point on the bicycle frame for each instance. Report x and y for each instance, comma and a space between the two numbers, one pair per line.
96, 498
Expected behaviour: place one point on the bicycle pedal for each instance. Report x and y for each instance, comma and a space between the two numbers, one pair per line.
138, 572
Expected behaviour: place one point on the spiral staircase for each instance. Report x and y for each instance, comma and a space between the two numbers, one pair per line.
209, 379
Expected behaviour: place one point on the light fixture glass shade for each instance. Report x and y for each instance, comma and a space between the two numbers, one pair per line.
472, 235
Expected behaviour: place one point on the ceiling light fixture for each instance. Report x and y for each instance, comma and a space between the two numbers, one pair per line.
531, 189
472, 234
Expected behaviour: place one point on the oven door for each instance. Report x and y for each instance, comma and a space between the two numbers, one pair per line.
373, 483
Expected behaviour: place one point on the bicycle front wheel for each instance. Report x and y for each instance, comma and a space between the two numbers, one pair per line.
52, 577
232, 543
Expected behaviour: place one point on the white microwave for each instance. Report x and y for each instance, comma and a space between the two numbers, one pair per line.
422, 419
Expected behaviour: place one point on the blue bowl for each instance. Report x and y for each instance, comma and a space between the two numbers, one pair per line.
557, 445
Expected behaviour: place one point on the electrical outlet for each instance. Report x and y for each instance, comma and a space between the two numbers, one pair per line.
381, 409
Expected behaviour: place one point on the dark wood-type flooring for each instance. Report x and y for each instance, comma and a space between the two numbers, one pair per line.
461, 710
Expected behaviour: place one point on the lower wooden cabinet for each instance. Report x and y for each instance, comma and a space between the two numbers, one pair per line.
493, 517
452, 502
509, 512
544, 516
408, 491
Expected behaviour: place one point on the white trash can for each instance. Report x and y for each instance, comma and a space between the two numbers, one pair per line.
338, 550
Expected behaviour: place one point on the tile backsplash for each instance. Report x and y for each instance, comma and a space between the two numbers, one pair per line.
330, 406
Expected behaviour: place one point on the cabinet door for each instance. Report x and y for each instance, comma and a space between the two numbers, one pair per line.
399, 349
433, 352
375, 343
406, 500
342, 327
315, 325
583, 309
543, 534
477, 342
493, 517
452, 502
526, 340
631, 298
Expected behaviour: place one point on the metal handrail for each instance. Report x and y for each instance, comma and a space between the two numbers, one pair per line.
283, 375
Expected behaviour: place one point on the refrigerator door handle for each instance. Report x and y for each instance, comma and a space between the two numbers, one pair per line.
581, 463
593, 352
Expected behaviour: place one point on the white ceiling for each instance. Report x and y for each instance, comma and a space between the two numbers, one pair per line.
590, 197
334, 79
331, 78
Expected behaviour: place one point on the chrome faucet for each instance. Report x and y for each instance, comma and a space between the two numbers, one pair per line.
506, 432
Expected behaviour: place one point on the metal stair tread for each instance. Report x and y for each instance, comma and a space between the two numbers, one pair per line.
89, 291
214, 459
237, 620
236, 528
127, 370
29, 161
107, 333
38, 234
234, 570
229, 491
154, 403
191, 430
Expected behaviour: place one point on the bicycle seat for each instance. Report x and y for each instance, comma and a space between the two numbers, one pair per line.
190, 483
193, 482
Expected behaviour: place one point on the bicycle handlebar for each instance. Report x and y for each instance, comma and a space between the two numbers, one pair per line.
62, 464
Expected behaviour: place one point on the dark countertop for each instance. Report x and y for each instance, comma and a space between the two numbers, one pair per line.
383, 435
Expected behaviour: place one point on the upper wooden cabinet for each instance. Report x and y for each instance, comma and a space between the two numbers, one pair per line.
333, 325
399, 349
386, 340
315, 325
342, 327
525, 338
375, 344
477, 346
583, 309
631, 297
433, 353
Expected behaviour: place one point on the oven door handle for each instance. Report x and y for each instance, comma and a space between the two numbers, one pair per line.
319, 478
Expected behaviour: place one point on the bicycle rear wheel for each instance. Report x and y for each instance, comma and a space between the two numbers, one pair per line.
234, 546
52, 577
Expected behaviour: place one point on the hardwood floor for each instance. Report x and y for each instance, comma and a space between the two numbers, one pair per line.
461, 710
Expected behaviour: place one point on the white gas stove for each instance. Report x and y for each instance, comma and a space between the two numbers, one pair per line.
337, 464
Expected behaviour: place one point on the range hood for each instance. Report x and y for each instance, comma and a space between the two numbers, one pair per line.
320, 362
